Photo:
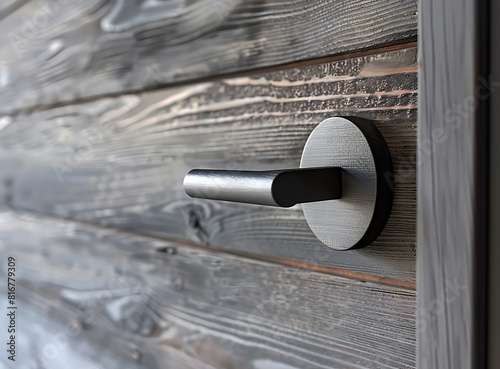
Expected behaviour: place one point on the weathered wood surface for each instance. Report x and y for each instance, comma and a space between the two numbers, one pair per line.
120, 162
64, 50
184, 307
45, 341
451, 185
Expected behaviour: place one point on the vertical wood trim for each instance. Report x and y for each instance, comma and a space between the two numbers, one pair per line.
452, 138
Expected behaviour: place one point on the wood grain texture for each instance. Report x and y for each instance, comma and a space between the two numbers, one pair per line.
165, 305
56, 342
120, 162
63, 50
450, 186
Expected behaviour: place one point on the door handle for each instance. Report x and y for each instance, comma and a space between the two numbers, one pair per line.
282, 188
345, 183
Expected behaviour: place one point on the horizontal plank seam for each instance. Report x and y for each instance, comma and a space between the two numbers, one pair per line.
345, 273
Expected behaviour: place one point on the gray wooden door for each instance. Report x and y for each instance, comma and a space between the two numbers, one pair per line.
105, 107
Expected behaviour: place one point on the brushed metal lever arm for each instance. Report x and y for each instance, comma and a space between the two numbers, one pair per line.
281, 188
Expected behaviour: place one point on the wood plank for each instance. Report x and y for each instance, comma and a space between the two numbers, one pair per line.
63, 51
45, 341
120, 161
171, 305
452, 184
220, 129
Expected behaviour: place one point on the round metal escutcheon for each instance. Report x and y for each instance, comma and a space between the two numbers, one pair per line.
358, 147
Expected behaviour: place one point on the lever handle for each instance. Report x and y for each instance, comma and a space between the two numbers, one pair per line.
281, 188
345, 159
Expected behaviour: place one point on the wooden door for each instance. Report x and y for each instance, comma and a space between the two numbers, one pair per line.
105, 107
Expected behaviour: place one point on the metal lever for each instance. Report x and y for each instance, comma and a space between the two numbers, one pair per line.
345, 159
282, 188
